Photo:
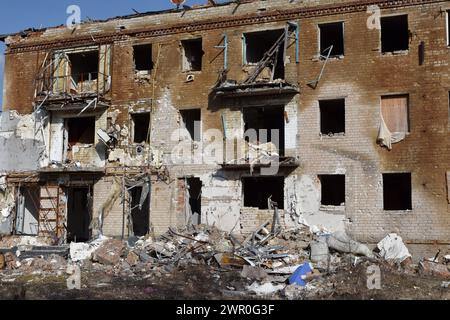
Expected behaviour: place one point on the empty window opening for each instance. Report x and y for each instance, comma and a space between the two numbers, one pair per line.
140, 210
28, 204
395, 112
332, 34
332, 117
192, 123
256, 44
269, 124
84, 66
333, 190
143, 60
449, 110
79, 211
448, 27
394, 33
397, 191
141, 127
194, 186
81, 130
257, 191
192, 54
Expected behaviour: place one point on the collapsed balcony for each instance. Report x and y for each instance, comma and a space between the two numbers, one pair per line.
263, 143
74, 75
265, 59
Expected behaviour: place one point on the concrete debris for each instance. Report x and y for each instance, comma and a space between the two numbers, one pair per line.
261, 268
84, 251
80, 251
254, 273
341, 242
392, 249
319, 250
265, 289
3, 184
109, 252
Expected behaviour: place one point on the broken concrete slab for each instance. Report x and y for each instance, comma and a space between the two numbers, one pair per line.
80, 251
254, 273
109, 252
341, 242
265, 289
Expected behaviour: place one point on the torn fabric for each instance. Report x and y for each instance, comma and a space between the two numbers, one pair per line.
386, 138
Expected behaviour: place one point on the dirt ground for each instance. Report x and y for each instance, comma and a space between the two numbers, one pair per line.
207, 283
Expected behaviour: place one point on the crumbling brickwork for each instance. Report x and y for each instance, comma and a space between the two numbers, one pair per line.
361, 76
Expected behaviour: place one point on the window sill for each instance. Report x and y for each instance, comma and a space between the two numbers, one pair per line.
332, 136
332, 209
331, 58
395, 53
398, 212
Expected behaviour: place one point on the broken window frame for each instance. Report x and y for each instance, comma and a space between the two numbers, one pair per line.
152, 65
410, 196
183, 125
323, 51
245, 44
133, 127
406, 51
55, 75
185, 65
447, 26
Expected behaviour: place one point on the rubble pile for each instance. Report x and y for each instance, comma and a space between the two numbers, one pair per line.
291, 264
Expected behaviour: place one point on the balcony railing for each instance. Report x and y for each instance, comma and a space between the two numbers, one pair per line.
83, 84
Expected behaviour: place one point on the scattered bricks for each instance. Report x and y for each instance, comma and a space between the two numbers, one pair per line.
109, 252
2, 262
434, 269
10, 261
132, 259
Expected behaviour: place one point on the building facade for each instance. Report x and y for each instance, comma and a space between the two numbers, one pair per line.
335, 112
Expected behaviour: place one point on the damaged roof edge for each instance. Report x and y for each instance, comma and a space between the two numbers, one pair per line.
25, 32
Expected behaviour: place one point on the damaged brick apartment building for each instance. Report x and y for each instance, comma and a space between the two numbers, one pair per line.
94, 117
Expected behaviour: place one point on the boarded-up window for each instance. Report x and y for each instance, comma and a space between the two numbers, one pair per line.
395, 111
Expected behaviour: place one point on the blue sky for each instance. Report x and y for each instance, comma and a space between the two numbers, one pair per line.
18, 15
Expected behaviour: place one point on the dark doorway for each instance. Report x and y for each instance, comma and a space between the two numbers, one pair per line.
27, 218
79, 209
195, 199
141, 124
140, 211
192, 123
